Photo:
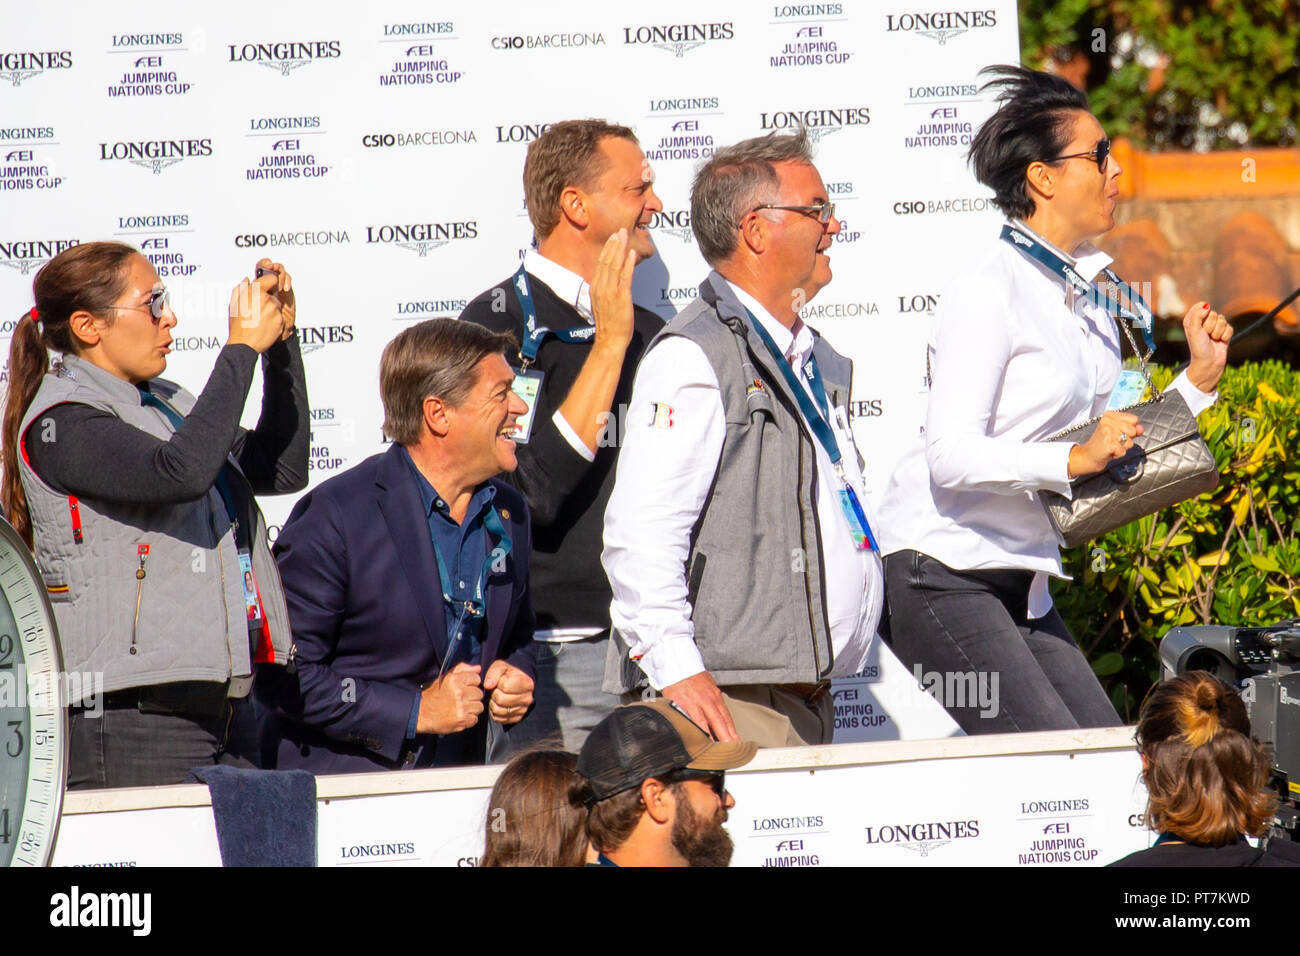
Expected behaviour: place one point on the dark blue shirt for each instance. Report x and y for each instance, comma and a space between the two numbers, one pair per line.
464, 549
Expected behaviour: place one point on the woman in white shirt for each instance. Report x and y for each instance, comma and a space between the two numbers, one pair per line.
1017, 355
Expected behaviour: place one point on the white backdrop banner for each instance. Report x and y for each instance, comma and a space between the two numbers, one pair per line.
377, 150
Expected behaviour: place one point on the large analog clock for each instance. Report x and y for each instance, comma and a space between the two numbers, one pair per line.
33, 723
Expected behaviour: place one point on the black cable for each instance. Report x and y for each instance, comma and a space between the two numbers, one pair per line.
1237, 336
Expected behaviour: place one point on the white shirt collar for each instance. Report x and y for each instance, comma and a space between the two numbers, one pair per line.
1088, 263
794, 344
1091, 261
569, 286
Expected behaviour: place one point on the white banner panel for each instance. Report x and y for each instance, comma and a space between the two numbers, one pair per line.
1047, 799
158, 836
1015, 810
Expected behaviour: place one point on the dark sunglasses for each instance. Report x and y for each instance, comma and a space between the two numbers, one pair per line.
1100, 152
157, 304
717, 779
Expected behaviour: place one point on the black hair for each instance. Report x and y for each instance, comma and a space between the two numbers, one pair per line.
1032, 123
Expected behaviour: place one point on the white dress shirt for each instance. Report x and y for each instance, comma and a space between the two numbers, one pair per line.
1015, 357
573, 289
663, 481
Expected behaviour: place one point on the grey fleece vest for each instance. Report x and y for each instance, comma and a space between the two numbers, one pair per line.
186, 617
754, 573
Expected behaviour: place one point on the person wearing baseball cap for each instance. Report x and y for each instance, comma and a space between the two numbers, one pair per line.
656, 790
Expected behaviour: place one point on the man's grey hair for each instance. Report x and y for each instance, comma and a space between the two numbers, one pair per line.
436, 357
733, 182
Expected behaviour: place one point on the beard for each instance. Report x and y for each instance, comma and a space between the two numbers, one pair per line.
701, 842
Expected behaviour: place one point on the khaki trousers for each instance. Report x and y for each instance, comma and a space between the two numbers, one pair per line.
772, 717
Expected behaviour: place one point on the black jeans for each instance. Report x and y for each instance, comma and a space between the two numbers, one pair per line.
967, 637
135, 741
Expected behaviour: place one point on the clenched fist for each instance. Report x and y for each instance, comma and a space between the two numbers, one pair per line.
511, 692
452, 703
1208, 334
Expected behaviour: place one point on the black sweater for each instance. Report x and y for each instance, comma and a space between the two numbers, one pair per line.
567, 495
1280, 852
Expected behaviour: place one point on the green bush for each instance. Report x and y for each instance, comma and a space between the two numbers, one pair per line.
1229, 557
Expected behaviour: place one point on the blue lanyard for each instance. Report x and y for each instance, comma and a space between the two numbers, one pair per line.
859, 526
1143, 318
814, 376
816, 422
474, 606
535, 334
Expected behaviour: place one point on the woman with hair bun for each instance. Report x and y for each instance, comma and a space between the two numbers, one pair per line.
1206, 779
138, 501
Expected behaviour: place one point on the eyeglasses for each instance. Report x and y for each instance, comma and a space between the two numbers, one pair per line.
1101, 152
157, 304
824, 210
717, 779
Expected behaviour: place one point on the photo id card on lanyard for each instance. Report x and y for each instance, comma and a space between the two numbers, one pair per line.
818, 417
859, 527
528, 381
1127, 391
527, 385
247, 578
252, 605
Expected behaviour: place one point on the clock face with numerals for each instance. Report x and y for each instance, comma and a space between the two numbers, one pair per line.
33, 723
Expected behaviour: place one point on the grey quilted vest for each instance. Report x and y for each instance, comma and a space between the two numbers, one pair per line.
754, 574
185, 618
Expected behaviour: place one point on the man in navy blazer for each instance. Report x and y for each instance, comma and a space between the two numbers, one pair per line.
407, 576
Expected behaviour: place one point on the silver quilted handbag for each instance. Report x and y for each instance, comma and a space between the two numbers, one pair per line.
1168, 463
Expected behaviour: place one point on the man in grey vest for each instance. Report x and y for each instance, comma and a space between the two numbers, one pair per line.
737, 542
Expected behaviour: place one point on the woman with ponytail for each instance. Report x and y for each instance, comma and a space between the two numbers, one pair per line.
1206, 779
138, 501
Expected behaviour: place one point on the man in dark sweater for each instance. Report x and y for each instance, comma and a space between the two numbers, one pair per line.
590, 196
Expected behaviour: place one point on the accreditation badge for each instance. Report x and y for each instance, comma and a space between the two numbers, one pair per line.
252, 605
1128, 390
527, 385
859, 527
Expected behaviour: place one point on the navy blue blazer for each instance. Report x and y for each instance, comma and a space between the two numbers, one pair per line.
365, 607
